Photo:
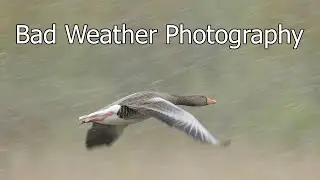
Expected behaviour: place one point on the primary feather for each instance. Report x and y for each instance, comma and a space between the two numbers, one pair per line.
175, 116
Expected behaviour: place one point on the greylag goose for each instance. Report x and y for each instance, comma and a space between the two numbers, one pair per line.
109, 122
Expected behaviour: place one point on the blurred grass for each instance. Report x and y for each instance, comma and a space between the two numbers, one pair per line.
268, 100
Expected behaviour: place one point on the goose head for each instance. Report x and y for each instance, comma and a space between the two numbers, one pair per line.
101, 115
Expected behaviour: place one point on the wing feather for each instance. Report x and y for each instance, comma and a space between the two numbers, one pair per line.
102, 134
175, 116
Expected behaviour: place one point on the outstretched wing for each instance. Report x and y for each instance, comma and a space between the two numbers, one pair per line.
102, 134
176, 117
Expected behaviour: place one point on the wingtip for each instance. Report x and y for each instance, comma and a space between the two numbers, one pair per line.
91, 147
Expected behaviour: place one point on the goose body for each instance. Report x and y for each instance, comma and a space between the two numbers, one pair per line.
110, 121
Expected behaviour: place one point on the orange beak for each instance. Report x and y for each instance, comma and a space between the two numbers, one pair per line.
211, 101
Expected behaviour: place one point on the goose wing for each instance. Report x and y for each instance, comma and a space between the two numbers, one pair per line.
175, 116
102, 134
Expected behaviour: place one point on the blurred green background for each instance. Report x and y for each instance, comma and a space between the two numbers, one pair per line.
267, 100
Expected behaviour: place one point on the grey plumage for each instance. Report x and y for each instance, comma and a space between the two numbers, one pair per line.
140, 97
162, 106
175, 116
102, 134
127, 113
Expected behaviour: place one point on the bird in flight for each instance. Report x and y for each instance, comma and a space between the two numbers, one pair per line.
109, 122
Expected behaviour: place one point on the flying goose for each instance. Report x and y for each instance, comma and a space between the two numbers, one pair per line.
109, 122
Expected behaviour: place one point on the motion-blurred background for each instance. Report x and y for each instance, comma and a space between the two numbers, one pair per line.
267, 100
